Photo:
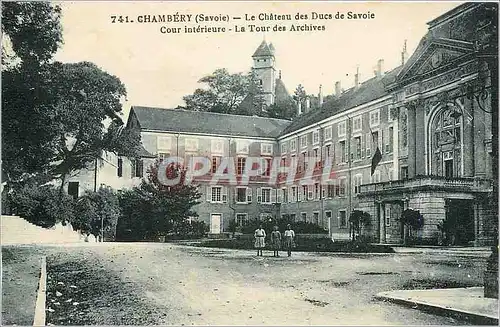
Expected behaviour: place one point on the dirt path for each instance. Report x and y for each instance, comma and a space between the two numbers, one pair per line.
167, 284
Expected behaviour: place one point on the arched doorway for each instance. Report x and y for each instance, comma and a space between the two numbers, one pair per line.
445, 134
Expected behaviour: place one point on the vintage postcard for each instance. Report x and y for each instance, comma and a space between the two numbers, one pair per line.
249, 163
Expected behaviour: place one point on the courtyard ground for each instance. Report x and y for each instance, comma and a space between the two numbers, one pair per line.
119, 283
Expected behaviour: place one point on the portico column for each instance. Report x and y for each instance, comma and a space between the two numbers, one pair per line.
419, 140
381, 212
411, 141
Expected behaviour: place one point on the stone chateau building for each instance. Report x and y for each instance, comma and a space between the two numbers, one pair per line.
432, 118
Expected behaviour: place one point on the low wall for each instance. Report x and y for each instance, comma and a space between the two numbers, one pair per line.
16, 230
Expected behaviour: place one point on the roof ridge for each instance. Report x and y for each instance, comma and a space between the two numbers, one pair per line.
207, 112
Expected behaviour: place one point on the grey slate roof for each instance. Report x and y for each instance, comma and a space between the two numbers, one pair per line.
263, 50
187, 121
369, 90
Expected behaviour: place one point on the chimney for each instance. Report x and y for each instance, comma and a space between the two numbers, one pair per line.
356, 78
404, 55
299, 112
308, 104
380, 68
320, 96
338, 90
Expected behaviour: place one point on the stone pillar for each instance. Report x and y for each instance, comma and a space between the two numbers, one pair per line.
382, 223
411, 141
420, 163
491, 273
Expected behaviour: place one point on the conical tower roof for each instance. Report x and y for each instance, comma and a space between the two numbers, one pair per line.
263, 50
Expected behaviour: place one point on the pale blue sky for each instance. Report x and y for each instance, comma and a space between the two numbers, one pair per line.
158, 69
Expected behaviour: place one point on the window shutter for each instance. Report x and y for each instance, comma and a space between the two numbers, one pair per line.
209, 194
323, 191
132, 168
224, 194
299, 194
363, 146
290, 194
249, 195
279, 195
259, 195
273, 195
235, 194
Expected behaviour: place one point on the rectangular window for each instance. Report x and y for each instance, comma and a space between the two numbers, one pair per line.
242, 147
357, 147
341, 130
266, 148
304, 161
293, 217
310, 193
304, 192
316, 218
328, 150
294, 194
342, 219
390, 140
356, 124
316, 137
215, 163
190, 145
304, 216
266, 195
241, 195
120, 167
328, 133
317, 161
217, 146
358, 180
316, 191
293, 145
241, 219
374, 118
342, 150
368, 142
284, 195
216, 194
331, 191
73, 188
138, 168
328, 216
387, 215
240, 168
163, 155
164, 142
268, 163
404, 172
303, 141
283, 148
375, 140
342, 182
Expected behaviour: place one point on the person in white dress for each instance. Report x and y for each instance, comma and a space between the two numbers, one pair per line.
260, 240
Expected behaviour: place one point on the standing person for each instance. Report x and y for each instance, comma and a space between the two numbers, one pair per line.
289, 239
276, 241
260, 239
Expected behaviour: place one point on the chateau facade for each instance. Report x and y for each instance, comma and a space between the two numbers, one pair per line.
429, 123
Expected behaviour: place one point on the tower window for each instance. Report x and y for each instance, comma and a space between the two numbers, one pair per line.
260, 81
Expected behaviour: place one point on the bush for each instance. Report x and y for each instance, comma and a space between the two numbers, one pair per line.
44, 206
190, 230
96, 208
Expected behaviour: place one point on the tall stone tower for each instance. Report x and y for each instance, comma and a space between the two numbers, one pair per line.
265, 71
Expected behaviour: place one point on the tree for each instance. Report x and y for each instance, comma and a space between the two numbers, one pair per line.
34, 30
412, 220
358, 219
97, 213
283, 110
42, 205
300, 94
224, 92
153, 209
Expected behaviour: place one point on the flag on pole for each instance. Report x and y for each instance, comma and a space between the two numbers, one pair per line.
377, 156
